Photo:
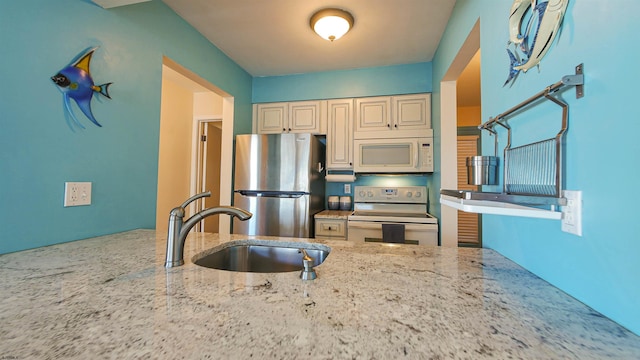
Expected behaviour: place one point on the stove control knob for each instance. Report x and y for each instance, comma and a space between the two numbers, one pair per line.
409, 194
370, 193
362, 193
418, 194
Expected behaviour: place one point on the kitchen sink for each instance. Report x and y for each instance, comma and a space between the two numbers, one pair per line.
261, 256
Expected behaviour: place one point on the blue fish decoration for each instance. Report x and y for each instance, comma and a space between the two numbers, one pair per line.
75, 82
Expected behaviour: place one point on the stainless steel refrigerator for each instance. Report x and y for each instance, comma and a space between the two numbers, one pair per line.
279, 178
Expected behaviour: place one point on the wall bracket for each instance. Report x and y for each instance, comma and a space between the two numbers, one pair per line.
576, 80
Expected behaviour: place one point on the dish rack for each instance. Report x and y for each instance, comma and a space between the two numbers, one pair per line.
532, 173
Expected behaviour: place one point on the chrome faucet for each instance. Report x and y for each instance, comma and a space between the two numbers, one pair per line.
179, 229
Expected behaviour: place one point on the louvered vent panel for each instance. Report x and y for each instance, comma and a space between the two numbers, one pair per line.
467, 222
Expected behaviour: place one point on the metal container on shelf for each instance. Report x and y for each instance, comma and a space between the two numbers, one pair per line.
334, 202
345, 202
482, 170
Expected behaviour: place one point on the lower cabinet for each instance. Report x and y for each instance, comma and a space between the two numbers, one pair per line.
331, 228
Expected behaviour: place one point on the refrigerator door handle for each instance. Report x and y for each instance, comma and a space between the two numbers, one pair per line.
273, 194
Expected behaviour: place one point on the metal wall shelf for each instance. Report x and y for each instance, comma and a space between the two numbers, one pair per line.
502, 204
498, 208
533, 174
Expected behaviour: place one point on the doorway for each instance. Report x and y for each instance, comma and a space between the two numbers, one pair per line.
449, 132
208, 170
187, 99
469, 117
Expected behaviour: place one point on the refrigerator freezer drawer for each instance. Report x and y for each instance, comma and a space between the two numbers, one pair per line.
275, 216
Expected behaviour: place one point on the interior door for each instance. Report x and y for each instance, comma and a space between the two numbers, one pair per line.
208, 173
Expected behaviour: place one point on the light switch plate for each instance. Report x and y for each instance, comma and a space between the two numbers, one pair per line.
77, 193
347, 188
572, 212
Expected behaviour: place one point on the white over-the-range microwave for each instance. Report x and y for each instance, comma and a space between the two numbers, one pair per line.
395, 151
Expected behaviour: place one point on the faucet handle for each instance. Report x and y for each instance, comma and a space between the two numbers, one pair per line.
195, 197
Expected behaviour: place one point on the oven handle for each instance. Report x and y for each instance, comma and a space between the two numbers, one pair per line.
362, 225
378, 225
416, 154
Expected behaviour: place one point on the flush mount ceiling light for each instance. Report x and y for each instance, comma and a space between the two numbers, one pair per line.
331, 24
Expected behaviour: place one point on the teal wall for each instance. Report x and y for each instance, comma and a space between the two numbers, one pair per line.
378, 81
602, 267
38, 150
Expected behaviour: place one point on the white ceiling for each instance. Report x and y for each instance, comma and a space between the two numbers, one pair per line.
273, 37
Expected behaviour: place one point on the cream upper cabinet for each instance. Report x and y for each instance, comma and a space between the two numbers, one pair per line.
403, 112
412, 111
306, 117
272, 118
290, 117
340, 134
373, 113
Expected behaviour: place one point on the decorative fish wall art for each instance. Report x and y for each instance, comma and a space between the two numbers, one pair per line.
531, 43
75, 82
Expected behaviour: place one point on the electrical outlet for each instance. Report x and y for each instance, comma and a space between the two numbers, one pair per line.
572, 212
77, 193
347, 188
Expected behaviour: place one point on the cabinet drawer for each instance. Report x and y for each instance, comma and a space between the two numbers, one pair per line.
332, 228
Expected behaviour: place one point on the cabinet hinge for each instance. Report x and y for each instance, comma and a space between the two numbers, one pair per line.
203, 138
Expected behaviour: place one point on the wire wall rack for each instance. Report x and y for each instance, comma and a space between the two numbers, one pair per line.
533, 174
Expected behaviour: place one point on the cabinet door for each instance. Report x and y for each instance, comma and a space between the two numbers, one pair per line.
340, 134
304, 117
412, 112
272, 118
373, 113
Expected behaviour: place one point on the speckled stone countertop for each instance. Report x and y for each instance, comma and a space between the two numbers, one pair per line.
111, 298
333, 214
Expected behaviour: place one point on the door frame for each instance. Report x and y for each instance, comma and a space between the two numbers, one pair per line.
449, 133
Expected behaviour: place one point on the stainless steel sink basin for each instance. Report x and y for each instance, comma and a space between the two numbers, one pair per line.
263, 256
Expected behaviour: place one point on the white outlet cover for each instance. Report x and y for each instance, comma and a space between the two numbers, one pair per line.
572, 212
77, 193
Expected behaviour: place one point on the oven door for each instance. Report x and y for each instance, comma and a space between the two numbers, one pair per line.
414, 234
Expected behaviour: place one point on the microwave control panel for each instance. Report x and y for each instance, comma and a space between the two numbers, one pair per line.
426, 156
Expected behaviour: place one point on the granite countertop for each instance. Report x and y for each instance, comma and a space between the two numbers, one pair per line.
333, 214
111, 297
